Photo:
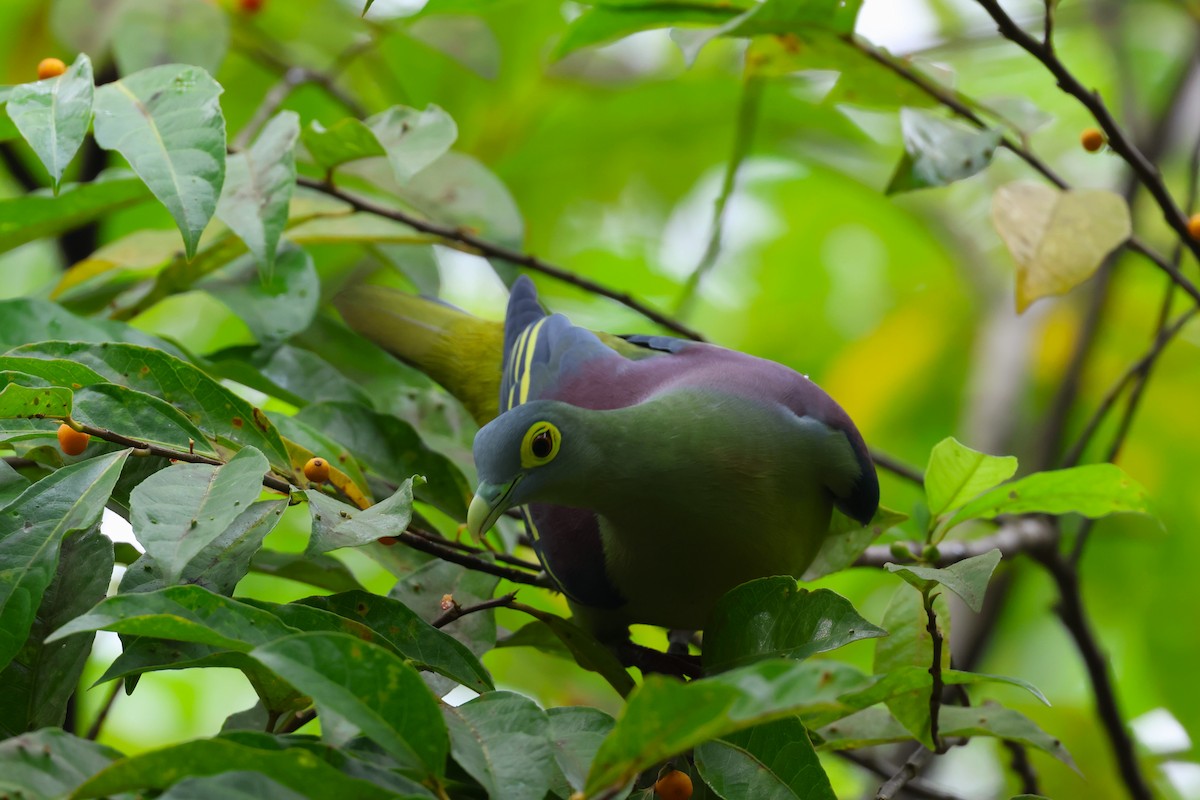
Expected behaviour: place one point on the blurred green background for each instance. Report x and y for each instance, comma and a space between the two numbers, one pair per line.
901, 307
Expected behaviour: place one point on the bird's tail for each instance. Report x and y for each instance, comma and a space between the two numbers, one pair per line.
461, 352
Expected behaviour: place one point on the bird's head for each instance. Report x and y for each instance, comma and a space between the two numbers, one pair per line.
525, 455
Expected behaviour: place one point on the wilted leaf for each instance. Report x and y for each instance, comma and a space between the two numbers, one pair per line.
1058, 238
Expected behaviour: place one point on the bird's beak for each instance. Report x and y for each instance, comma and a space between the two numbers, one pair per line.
488, 504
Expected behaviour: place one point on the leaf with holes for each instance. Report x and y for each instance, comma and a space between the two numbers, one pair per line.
54, 115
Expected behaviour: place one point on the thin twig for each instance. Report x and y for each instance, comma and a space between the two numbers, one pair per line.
16, 462
909, 770
935, 670
915, 787
1023, 767
466, 548
1017, 535
457, 612
98, 723
427, 543
1138, 370
472, 243
899, 468
270, 480
742, 138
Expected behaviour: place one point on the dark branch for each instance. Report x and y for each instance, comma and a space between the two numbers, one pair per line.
474, 244
455, 611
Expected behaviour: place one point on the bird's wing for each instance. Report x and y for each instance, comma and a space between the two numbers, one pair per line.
543, 352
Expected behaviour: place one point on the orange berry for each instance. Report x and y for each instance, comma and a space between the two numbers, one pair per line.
71, 441
250, 6
675, 785
1091, 139
387, 541
1194, 226
50, 68
317, 470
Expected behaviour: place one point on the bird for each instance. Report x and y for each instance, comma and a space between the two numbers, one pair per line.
654, 473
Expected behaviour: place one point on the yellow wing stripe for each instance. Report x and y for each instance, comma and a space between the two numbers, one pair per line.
516, 356
530, 348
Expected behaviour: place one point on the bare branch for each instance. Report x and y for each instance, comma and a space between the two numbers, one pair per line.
455, 611
1017, 535
475, 244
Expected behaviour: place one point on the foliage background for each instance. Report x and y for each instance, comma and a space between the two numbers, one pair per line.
901, 307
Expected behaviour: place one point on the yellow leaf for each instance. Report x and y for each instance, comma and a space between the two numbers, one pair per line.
1058, 238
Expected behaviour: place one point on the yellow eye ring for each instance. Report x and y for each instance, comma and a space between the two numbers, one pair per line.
540, 444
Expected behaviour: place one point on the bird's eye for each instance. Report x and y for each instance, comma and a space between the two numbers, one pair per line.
540, 445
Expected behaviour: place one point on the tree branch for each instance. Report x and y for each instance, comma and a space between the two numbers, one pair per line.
455, 611
1016, 535
475, 244
915, 787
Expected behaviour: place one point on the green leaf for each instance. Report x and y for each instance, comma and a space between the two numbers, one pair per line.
413, 139
167, 123
422, 591
774, 761
458, 190
346, 140
502, 740
664, 717
909, 644
57, 372
276, 307
41, 679
1057, 238
49, 763
938, 152
1002, 723
53, 115
180, 512
873, 726
607, 23
224, 417
772, 618
258, 188
25, 402
847, 539
24, 320
139, 416
1093, 490
186, 613
295, 768
968, 578
576, 733
956, 473
12, 483
339, 525
237, 785
41, 215
219, 563
414, 638
371, 688
392, 449
587, 651
323, 572
32, 529
151, 33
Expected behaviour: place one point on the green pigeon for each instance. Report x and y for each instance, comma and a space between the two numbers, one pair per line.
654, 473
